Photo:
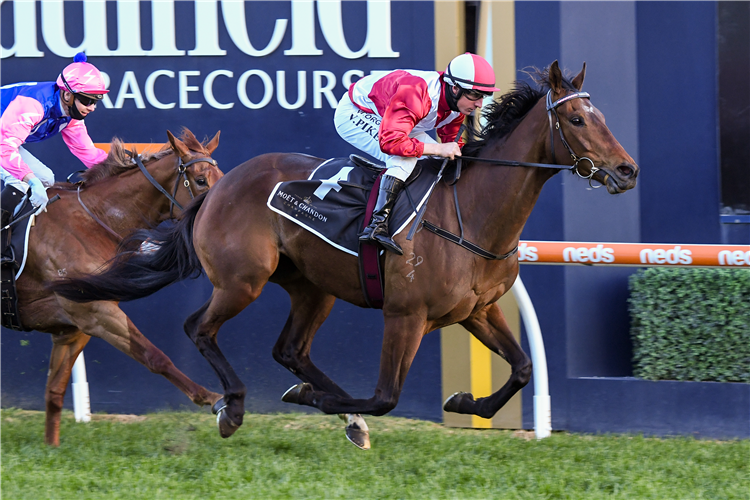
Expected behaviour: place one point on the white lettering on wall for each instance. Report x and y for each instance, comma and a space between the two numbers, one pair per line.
150, 95
24, 27
234, 20
163, 31
378, 42
281, 90
320, 90
208, 89
242, 89
185, 88
129, 90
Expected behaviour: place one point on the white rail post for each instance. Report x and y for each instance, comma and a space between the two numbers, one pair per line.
81, 401
542, 402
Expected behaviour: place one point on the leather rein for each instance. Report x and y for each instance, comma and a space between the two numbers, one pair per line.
472, 247
181, 175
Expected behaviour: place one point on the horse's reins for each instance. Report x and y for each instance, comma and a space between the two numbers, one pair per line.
459, 239
182, 172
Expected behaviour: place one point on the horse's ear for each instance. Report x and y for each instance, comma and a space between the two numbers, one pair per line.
555, 77
178, 146
578, 80
211, 146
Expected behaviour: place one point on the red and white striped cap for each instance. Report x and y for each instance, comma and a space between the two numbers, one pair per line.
471, 72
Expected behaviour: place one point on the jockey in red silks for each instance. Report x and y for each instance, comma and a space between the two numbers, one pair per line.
388, 116
33, 112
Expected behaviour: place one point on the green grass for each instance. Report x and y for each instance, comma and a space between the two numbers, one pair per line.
180, 455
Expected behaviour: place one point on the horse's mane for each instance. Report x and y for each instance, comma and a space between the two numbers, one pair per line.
119, 160
503, 116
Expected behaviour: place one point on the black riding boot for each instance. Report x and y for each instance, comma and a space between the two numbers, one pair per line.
377, 230
10, 197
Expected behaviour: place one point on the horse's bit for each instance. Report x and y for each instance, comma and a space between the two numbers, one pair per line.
181, 172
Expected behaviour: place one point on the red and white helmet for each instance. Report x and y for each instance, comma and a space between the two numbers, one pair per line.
82, 77
471, 72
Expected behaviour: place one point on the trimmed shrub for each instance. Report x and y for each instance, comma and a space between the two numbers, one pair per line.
691, 324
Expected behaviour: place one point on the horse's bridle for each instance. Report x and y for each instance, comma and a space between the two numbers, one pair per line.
552, 108
181, 172
553, 124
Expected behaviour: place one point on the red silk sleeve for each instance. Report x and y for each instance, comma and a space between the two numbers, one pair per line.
408, 106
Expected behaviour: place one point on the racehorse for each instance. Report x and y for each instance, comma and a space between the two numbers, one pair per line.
241, 245
81, 231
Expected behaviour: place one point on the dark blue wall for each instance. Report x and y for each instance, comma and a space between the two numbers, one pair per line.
348, 345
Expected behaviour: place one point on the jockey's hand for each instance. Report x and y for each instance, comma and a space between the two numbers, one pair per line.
445, 150
38, 196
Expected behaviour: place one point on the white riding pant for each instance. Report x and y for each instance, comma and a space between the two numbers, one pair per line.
42, 171
360, 129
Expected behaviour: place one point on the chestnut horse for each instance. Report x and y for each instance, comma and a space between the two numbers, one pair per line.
69, 238
242, 245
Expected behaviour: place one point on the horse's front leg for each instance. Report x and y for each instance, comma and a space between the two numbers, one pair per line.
310, 307
401, 340
105, 320
65, 351
490, 328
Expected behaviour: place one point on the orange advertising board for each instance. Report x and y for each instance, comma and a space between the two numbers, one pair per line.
633, 254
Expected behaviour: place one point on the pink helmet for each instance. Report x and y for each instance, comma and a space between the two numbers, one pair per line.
82, 77
471, 72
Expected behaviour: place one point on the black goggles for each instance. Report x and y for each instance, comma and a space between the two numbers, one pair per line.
88, 100
474, 96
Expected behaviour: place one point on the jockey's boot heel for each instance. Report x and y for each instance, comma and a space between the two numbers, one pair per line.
377, 230
10, 197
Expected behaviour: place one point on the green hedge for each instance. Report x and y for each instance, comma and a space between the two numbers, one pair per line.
691, 324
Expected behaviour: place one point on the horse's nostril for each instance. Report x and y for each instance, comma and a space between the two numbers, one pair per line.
626, 171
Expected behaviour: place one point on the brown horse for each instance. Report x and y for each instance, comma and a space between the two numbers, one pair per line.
242, 245
69, 239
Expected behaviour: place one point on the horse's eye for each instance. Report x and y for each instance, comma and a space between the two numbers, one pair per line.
201, 181
577, 121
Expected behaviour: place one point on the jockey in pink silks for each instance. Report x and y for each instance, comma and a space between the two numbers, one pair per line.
388, 117
33, 112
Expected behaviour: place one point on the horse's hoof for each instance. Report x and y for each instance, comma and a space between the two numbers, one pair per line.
226, 426
357, 431
459, 402
295, 393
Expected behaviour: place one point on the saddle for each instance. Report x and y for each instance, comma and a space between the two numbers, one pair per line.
335, 203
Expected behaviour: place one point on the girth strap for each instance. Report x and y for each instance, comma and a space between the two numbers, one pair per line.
466, 243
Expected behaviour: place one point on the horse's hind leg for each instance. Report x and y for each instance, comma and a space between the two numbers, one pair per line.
310, 307
202, 327
65, 351
490, 328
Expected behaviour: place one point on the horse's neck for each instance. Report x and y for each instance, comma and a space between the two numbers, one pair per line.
505, 196
129, 201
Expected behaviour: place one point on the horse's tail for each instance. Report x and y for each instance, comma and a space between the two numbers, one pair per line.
162, 256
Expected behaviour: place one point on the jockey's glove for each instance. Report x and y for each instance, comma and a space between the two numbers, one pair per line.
38, 196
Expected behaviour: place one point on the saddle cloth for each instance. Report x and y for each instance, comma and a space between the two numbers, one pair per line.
331, 202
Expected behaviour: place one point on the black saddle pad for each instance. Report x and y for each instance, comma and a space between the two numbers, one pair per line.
331, 202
